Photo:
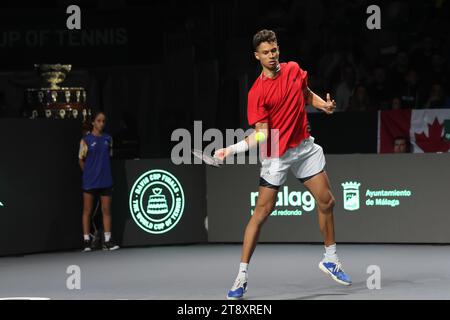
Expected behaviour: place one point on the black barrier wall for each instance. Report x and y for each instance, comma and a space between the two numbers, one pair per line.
379, 198
156, 202
396, 198
41, 198
40, 186
345, 132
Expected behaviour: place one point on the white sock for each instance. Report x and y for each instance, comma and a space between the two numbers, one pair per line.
107, 236
243, 269
86, 236
330, 253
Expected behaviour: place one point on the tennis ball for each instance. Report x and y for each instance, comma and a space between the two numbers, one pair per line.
259, 136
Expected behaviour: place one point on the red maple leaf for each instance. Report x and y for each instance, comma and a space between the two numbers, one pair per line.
435, 141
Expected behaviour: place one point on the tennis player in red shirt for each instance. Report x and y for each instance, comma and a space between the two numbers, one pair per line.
276, 108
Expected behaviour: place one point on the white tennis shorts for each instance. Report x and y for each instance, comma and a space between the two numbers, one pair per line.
304, 160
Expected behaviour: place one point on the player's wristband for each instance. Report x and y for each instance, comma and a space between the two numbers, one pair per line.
239, 147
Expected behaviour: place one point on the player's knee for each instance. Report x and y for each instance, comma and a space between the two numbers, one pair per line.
261, 213
332, 202
327, 205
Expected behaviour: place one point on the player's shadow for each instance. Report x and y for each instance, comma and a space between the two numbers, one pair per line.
316, 293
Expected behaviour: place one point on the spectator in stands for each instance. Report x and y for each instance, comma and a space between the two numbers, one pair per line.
437, 98
396, 103
330, 62
379, 89
401, 145
411, 91
345, 88
398, 70
360, 100
437, 72
422, 52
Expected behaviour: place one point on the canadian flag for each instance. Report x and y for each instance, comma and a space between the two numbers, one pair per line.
424, 128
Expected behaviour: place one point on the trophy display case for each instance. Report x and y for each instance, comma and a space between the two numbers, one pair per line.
53, 101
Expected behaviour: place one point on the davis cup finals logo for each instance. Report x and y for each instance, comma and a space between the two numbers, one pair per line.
351, 195
156, 201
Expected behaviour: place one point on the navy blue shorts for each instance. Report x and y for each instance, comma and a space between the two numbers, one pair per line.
100, 192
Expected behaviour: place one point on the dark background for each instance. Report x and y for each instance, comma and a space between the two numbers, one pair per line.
40, 186
40, 190
155, 66
191, 226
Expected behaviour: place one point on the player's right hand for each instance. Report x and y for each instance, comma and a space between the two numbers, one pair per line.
221, 154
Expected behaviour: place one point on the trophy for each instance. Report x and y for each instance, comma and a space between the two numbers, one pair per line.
48, 113
41, 97
53, 73
157, 203
53, 101
67, 95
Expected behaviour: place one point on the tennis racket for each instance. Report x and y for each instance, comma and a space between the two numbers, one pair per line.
207, 159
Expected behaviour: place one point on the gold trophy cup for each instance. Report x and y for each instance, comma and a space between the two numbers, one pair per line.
53, 73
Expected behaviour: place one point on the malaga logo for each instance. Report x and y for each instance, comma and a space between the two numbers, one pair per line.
295, 202
351, 195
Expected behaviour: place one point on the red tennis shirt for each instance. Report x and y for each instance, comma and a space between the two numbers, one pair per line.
280, 102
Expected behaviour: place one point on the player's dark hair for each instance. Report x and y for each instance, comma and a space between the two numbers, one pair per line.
263, 36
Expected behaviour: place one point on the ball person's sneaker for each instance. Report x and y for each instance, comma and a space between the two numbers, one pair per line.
110, 245
238, 289
335, 271
87, 245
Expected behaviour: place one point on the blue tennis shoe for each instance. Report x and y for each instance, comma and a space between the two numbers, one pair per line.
238, 290
335, 271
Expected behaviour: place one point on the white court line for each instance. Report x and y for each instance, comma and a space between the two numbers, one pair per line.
25, 298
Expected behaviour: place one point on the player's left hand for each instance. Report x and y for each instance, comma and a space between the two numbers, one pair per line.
329, 106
